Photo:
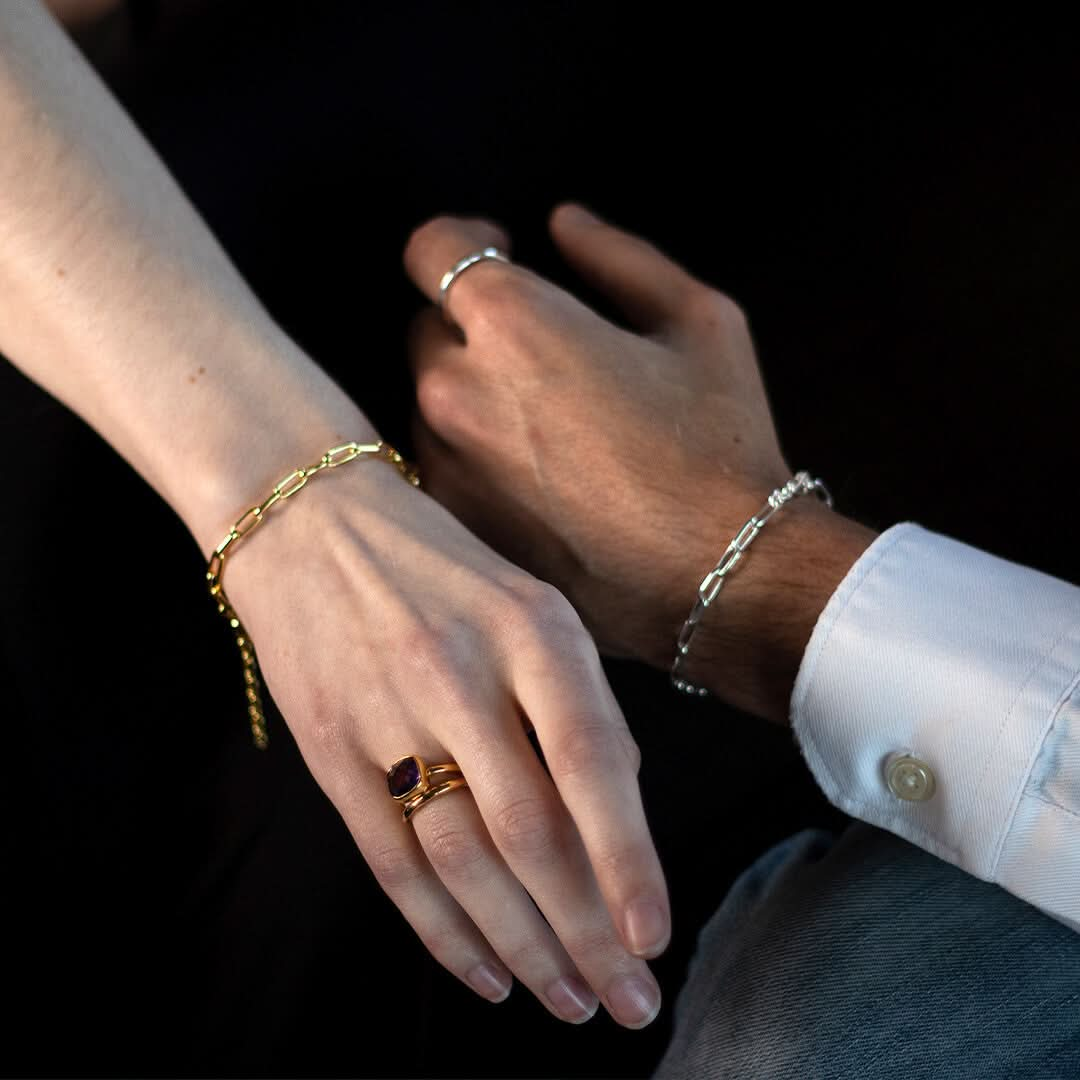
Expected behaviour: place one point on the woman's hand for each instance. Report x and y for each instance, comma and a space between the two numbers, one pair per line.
385, 629
618, 465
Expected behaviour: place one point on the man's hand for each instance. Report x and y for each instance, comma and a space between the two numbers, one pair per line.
618, 465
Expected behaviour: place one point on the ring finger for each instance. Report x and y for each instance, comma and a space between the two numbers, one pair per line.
459, 848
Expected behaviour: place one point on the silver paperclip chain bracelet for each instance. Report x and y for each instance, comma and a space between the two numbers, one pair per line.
800, 484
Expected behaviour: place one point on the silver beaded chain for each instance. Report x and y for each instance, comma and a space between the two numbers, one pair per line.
800, 484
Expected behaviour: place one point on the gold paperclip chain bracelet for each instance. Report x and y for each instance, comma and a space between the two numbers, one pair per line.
283, 489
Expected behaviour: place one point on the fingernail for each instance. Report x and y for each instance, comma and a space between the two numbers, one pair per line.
647, 928
572, 999
634, 1001
576, 214
490, 983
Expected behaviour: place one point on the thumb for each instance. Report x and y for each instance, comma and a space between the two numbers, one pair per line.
649, 287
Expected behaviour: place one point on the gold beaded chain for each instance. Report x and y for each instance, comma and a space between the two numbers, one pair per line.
283, 489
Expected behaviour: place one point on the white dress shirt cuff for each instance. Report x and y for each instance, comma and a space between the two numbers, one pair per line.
934, 650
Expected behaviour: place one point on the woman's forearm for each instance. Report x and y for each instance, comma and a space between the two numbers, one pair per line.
115, 297
403, 633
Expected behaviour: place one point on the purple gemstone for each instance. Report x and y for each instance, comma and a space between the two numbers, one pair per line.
403, 777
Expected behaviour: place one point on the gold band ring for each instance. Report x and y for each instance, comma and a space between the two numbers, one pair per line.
409, 782
417, 801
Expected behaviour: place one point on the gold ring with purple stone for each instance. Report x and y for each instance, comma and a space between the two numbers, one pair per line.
409, 781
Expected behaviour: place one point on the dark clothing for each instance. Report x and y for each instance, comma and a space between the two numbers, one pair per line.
902, 226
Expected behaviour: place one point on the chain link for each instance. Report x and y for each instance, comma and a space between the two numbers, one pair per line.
709, 589
285, 488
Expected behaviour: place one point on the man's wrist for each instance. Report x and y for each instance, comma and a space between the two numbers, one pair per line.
750, 642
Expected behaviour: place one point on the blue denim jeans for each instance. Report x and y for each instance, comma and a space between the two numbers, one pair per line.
865, 957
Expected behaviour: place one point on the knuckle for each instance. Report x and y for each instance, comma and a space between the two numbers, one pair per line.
439, 662
496, 296
502, 287
325, 728
395, 868
623, 864
526, 954
439, 397
591, 945
552, 639
420, 643
453, 851
712, 309
314, 710
587, 747
525, 827
547, 612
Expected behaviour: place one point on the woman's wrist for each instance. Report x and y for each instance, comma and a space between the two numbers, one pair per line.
251, 434
116, 299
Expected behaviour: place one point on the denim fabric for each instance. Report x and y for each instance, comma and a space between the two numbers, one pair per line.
866, 957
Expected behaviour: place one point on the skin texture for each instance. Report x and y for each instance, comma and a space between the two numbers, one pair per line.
383, 627
619, 463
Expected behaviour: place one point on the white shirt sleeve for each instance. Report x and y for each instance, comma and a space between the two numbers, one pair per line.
934, 650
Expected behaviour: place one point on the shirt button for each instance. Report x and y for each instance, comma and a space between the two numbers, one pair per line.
910, 779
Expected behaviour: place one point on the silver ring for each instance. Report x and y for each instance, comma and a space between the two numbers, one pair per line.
459, 268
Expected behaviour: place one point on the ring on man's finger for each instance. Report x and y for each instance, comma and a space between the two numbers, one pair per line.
460, 267
409, 782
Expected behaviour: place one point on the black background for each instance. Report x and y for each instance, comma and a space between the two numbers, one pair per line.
896, 204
